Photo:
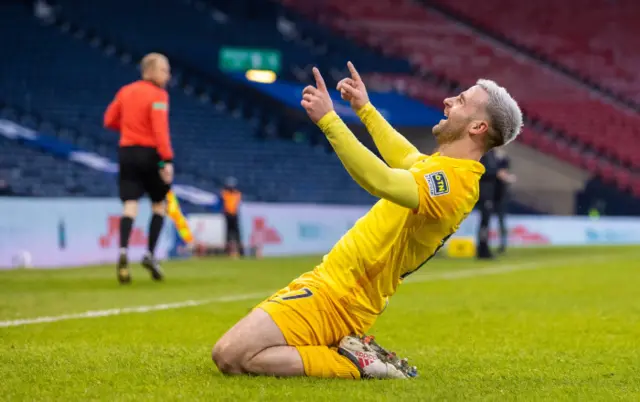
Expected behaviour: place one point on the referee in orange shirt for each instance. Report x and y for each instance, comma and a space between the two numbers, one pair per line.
139, 112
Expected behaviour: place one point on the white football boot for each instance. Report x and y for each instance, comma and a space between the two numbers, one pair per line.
372, 360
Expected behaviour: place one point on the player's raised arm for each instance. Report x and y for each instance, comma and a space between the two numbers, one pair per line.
396, 150
395, 185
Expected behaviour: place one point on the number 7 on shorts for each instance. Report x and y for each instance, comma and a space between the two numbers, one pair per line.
299, 294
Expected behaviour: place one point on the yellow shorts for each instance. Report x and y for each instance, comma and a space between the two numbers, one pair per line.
310, 316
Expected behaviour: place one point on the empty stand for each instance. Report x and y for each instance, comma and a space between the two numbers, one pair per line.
32, 172
595, 38
77, 81
565, 118
216, 129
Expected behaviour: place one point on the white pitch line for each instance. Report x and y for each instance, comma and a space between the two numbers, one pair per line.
500, 269
470, 273
129, 310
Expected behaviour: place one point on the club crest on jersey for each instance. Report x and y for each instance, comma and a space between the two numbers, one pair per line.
438, 183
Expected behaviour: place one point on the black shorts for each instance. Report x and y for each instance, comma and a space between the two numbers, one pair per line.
233, 228
140, 174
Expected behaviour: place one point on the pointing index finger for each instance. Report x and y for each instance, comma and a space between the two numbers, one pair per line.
354, 73
319, 80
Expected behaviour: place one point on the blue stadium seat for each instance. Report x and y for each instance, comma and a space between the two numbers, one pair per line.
36, 173
67, 95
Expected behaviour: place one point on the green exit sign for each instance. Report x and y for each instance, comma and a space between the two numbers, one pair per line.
243, 59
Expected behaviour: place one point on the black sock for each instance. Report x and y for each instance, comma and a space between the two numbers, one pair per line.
155, 227
126, 223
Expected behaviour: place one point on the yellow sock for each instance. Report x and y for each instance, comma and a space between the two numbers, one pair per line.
325, 362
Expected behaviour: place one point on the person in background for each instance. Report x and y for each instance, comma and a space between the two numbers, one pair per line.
495, 175
140, 113
485, 203
231, 198
501, 197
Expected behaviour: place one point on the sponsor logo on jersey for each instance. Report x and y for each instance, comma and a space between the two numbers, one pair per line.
438, 183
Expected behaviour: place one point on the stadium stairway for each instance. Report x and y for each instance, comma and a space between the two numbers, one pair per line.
81, 79
601, 138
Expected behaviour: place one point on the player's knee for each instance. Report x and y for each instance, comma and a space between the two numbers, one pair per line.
159, 208
226, 357
130, 208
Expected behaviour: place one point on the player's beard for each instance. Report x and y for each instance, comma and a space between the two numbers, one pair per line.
446, 132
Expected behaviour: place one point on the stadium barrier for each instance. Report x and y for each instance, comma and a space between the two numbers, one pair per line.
54, 232
291, 229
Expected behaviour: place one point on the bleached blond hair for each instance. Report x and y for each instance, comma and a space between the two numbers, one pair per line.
505, 116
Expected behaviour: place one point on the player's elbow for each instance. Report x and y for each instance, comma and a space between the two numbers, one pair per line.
400, 198
398, 194
110, 123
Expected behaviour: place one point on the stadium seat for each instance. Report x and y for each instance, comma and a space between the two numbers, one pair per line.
218, 132
441, 46
70, 95
32, 172
582, 42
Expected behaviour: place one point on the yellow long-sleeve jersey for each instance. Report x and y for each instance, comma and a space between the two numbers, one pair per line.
391, 241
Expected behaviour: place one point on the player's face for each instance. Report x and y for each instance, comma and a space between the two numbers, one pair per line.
161, 72
459, 113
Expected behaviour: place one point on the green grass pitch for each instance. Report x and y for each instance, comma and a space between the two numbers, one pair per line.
543, 324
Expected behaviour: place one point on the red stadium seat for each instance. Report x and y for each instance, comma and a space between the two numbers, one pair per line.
583, 41
623, 179
433, 42
636, 188
606, 171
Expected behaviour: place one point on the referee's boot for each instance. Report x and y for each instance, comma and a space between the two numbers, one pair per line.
124, 276
150, 263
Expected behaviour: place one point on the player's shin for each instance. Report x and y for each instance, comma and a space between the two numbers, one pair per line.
325, 362
126, 224
155, 228
278, 361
